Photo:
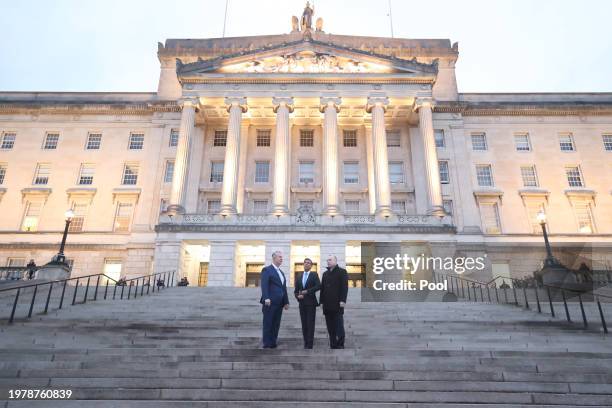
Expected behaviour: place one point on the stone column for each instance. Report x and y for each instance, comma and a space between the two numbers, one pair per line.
282, 107
236, 107
370, 164
432, 172
181, 161
376, 106
330, 106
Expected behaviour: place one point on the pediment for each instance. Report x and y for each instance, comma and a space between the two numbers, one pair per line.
306, 57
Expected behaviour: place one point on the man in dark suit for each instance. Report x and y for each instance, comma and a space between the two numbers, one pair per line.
273, 299
306, 285
334, 290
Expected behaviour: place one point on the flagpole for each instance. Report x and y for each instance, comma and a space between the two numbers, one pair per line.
391, 19
225, 17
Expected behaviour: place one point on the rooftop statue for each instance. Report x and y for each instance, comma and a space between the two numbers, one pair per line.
306, 22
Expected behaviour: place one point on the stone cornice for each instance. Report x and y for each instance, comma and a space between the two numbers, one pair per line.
88, 108
525, 109
173, 228
311, 79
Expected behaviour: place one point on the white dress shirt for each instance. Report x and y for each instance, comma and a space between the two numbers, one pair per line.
305, 279
280, 275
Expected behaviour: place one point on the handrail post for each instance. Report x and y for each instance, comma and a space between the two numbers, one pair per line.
481, 294
106, 289
164, 281
48, 298
96, 292
496, 294
506, 295
149, 284
514, 291
538, 299
114, 290
584, 318
136, 289
172, 280
142, 287
552, 309
76, 288
603, 320
32, 303
462, 290
86, 290
17, 298
63, 291
129, 290
488, 294
565, 305
525, 294
122, 287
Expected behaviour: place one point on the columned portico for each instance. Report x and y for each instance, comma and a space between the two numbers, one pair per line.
376, 106
183, 153
283, 106
236, 107
330, 106
434, 192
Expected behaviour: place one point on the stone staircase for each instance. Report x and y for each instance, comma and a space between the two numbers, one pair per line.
199, 347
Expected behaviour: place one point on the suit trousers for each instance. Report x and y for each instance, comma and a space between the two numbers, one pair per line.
271, 323
308, 314
334, 321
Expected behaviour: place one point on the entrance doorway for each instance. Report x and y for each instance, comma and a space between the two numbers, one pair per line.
203, 275
253, 274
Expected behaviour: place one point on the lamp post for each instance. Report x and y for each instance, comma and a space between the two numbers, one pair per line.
60, 258
550, 259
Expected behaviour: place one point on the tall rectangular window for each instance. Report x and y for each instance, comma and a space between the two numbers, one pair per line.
439, 138
607, 141
529, 176
584, 217
94, 141
394, 138
216, 172
260, 207
448, 206
444, 171
398, 206
522, 142
262, 171
8, 140
213, 206
220, 139
306, 138
533, 209
123, 217
130, 174
136, 141
479, 141
263, 137
76, 224
169, 173
484, 175
51, 140
566, 142
86, 174
174, 138
350, 171
3, 167
574, 176
490, 218
306, 172
41, 176
349, 138
351, 206
31, 216
396, 172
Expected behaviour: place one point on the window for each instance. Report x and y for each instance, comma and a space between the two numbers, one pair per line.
351, 206
529, 176
484, 175
216, 172
306, 138
448, 206
43, 171
112, 268
123, 217
533, 209
262, 171
51, 140
163, 205
220, 138
174, 138
8, 141
263, 137
349, 138
479, 141
130, 174
607, 141
15, 262
86, 174
490, 218
260, 207
574, 176
444, 172
350, 169
584, 217
306, 204
213, 206
169, 173
396, 172
31, 216
2, 172
439, 138
522, 143
306, 172
136, 141
393, 138
566, 142
398, 206
94, 140
80, 210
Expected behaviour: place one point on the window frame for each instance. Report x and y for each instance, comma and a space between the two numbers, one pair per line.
51, 145
136, 144
485, 143
88, 140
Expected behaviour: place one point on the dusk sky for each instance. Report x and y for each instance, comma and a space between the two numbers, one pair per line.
111, 45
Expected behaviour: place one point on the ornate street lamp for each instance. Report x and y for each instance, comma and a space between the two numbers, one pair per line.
60, 258
550, 259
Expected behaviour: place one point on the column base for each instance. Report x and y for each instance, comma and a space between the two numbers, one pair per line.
331, 210
280, 210
384, 211
228, 210
437, 211
175, 209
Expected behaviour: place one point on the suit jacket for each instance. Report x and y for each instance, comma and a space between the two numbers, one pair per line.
272, 288
313, 284
334, 289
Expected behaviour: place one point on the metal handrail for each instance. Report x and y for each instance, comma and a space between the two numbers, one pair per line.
461, 291
161, 281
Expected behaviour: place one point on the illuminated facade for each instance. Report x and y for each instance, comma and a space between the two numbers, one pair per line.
307, 142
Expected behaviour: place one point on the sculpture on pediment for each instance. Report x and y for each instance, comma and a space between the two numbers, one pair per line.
319, 24
309, 63
295, 24
306, 22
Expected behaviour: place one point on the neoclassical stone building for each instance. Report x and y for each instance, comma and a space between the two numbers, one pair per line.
307, 142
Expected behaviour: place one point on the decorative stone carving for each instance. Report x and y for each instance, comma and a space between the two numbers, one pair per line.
307, 62
305, 215
306, 22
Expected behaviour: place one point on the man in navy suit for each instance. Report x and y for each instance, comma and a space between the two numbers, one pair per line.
306, 286
273, 299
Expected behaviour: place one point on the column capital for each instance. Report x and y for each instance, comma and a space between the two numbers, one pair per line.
277, 101
426, 102
189, 101
377, 100
326, 101
239, 101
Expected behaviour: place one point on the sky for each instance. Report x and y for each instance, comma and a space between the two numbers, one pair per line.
111, 45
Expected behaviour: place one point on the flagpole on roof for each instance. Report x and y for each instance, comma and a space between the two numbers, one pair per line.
225, 18
391, 19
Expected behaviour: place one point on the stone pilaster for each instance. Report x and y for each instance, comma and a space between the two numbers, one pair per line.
282, 107
330, 106
377, 106
236, 107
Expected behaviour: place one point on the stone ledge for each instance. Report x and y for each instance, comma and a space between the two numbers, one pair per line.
443, 229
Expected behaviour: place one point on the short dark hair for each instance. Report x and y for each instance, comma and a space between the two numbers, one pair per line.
308, 259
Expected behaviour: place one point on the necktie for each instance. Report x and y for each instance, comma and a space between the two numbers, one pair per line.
305, 279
